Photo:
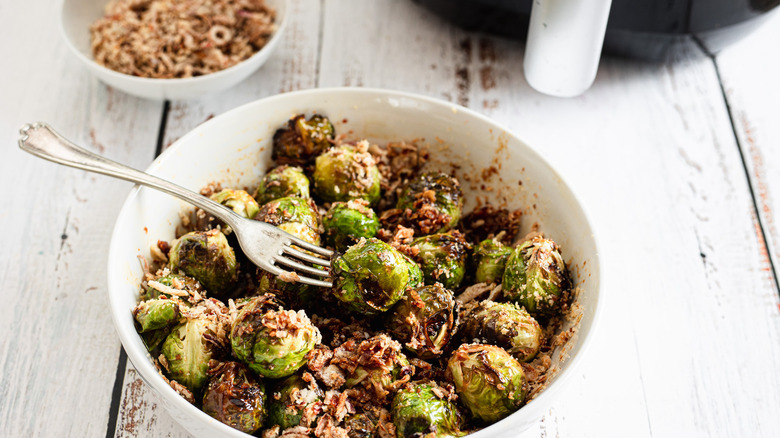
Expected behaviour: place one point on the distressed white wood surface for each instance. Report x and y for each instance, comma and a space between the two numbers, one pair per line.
690, 340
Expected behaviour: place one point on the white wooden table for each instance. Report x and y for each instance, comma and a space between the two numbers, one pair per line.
678, 163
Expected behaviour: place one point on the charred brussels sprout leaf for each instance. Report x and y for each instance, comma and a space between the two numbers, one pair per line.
273, 342
347, 172
442, 258
488, 380
156, 314
362, 425
424, 320
371, 276
206, 256
188, 349
346, 222
291, 397
505, 325
431, 203
491, 256
239, 201
281, 182
421, 410
234, 397
301, 141
297, 216
535, 277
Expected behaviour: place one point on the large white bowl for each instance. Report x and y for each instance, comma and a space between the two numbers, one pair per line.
77, 15
235, 148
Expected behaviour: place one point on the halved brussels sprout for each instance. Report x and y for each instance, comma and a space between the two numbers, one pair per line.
346, 222
488, 380
506, 325
290, 398
381, 366
371, 276
174, 281
535, 277
442, 258
281, 182
297, 216
239, 201
431, 203
189, 348
301, 141
424, 320
206, 256
156, 314
347, 172
491, 257
421, 409
234, 397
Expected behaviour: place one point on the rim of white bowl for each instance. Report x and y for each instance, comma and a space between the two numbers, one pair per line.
183, 81
139, 355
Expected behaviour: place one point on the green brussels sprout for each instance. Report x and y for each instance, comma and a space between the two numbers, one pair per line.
234, 397
431, 203
291, 397
156, 314
421, 409
239, 201
281, 182
273, 342
361, 425
189, 348
491, 256
371, 276
535, 277
424, 320
174, 281
347, 172
488, 380
293, 295
301, 141
506, 325
208, 257
381, 366
297, 216
346, 222
442, 258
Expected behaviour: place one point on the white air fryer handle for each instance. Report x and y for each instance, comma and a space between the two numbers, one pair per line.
564, 45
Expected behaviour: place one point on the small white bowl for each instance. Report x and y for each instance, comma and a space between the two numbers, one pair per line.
235, 148
76, 16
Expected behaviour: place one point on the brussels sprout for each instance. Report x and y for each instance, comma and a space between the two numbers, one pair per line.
297, 216
506, 325
293, 295
488, 380
442, 258
273, 342
282, 182
291, 397
234, 397
239, 201
174, 281
381, 366
347, 222
535, 277
188, 349
491, 256
206, 256
371, 276
156, 314
424, 320
347, 172
301, 141
421, 409
431, 203
362, 425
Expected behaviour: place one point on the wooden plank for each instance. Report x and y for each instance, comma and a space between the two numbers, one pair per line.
58, 354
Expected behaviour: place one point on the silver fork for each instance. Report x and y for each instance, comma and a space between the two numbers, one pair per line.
264, 244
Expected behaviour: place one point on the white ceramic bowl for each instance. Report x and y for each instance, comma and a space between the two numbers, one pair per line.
76, 16
235, 148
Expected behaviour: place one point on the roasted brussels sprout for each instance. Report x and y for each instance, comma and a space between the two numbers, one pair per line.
421, 409
281, 182
346, 222
535, 277
293, 295
273, 342
239, 201
371, 276
380, 366
234, 397
431, 203
156, 314
506, 325
442, 258
206, 256
347, 172
488, 380
189, 348
177, 282
301, 141
291, 397
361, 425
424, 320
490, 257
297, 216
